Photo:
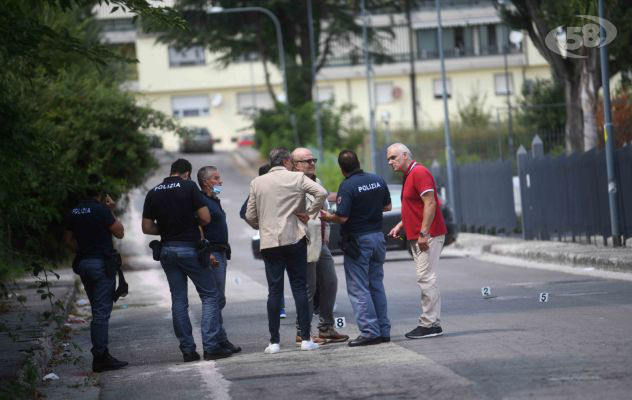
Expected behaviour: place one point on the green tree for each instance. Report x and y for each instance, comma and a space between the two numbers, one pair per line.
580, 77
341, 128
542, 111
241, 36
62, 117
473, 112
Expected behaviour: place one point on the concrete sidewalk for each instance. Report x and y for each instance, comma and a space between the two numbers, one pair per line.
27, 337
566, 253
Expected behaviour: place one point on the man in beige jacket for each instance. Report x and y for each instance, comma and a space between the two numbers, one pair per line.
321, 274
277, 207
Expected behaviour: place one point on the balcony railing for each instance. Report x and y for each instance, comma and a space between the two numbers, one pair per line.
395, 49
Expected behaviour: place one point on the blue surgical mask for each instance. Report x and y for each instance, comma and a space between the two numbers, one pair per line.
217, 189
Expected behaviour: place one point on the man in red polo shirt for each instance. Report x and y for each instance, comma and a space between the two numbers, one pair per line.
425, 231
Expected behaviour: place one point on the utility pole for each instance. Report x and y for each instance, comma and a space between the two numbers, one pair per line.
312, 54
413, 75
369, 83
446, 126
608, 132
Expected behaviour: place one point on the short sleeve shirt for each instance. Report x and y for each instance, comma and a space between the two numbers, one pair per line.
215, 232
173, 204
361, 198
417, 182
90, 223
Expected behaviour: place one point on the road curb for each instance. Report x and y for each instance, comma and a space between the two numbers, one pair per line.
571, 259
562, 253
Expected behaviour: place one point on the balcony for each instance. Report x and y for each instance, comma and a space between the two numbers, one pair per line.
458, 42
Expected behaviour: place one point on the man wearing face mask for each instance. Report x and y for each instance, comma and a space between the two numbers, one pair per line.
216, 232
175, 210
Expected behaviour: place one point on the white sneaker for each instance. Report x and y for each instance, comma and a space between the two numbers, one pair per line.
309, 345
272, 348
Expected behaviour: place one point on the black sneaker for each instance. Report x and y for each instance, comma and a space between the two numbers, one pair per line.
218, 353
420, 332
228, 345
106, 363
190, 357
386, 339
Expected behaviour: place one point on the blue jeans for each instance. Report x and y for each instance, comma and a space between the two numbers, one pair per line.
100, 290
180, 262
292, 257
219, 273
365, 286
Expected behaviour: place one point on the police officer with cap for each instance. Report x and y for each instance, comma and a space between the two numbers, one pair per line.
175, 209
361, 200
89, 229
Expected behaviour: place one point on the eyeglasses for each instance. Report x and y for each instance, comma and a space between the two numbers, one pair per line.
310, 161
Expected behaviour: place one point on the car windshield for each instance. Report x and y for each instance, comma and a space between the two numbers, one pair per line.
198, 132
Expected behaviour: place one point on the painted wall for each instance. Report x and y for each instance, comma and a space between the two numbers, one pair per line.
158, 82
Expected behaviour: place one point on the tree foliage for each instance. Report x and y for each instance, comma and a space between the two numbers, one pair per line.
61, 118
239, 36
473, 112
341, 128
580, 78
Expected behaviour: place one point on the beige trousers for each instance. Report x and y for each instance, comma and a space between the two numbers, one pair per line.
427, 263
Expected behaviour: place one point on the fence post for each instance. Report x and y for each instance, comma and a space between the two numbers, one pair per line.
537, 147
522, 157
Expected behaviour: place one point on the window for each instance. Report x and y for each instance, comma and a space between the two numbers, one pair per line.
325, 93
383, 92
427, 44
501, 86
438, 88
249, 102
186, 56
189, 106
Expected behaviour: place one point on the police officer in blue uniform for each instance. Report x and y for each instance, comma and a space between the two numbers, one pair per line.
175, 209
216, 232
89, 229
361, 200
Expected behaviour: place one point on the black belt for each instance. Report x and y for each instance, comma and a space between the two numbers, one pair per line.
174, 243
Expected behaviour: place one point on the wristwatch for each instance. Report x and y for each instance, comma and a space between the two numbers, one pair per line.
424, 234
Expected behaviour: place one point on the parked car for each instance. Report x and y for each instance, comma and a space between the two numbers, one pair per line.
197, 140
154, 140
246, 141
391, 218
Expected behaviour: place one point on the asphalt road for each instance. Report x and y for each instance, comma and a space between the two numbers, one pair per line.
577, 345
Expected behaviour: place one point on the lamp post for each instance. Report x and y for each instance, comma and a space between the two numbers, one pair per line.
446, 126
312, 53
369, 83
613, 200
279, 36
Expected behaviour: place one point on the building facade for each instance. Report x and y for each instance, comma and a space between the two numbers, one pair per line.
189, 86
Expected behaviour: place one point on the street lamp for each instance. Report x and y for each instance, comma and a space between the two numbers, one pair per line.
446, 126
369, 83
279, 36
312, 56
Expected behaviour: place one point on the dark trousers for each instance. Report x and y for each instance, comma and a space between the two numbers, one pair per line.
292, 257
100, 290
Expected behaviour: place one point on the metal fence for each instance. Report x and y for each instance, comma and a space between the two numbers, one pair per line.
567, 196
485, 200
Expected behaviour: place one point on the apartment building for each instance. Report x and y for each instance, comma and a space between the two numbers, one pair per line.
188, 85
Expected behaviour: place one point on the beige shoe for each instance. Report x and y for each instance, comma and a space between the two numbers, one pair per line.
331, 336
